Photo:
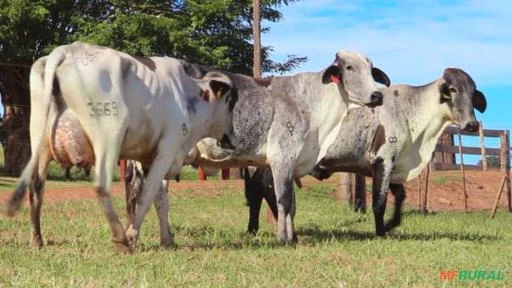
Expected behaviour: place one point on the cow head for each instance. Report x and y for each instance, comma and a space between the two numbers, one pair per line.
458, 91
217, 90
355, 75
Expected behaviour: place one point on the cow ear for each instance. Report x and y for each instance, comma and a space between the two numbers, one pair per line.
219, 88
214, 85
332, 75
444, 91
380, 76
193, 70
479, 101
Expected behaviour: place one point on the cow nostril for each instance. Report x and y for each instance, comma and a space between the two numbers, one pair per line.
472, 126
376, 98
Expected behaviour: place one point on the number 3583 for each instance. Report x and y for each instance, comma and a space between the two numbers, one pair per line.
100, 109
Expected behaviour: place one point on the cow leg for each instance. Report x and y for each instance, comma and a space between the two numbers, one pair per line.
399, 193
254, 198
67, 175
283, 187
151, 187
104, 166
381, 175
133, 181
162, 209
36, 198
269, 194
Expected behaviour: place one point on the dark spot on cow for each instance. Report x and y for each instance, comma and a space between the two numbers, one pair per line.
265, 82
393, 159
395, 93
184, 129
378, 139
191, 104
147, 62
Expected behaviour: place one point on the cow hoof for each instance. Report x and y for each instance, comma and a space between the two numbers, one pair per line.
167, 242
287, 242
37, 242
10, 209
123, 248
131, 236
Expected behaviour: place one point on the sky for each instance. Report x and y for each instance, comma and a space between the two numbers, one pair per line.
412, 41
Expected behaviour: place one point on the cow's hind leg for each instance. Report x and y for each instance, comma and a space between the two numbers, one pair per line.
104, 166
381, 175
152, 186
254, 197
162, 210
36, 198
399, 193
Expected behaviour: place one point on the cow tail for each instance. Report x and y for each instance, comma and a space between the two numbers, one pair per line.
42, 77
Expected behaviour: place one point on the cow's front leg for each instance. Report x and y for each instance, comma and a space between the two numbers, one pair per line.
283, 187
162, 211
152, 186
399, 193
381, 174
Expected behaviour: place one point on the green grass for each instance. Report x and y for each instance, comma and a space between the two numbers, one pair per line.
336, 247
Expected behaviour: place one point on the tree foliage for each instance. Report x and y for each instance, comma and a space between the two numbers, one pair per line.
211, 32
214, 32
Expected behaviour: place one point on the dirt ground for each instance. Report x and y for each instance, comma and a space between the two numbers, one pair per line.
445, 190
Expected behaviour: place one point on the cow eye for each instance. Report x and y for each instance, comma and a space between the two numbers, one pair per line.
453, 90
350, 68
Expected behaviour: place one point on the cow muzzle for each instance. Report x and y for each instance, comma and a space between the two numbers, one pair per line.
471, 126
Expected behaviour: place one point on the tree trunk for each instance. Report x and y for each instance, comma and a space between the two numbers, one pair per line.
256, 33
14, 133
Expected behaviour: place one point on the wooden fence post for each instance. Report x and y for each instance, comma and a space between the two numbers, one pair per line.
360, 194
201, 175
122, 169
505, 167
463, 174
345, 187
425, 196
482, 146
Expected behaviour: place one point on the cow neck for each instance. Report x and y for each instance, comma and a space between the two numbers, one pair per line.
427, 117
337, 108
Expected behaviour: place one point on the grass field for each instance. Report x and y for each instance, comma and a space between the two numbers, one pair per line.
336, 247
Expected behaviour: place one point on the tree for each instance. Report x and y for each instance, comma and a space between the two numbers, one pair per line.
216, 33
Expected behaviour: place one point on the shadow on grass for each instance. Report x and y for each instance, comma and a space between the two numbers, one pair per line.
207, 238
314, 235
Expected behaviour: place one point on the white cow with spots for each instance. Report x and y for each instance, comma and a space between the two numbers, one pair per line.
147, 109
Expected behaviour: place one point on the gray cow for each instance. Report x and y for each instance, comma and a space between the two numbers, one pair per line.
393, 143
287, 123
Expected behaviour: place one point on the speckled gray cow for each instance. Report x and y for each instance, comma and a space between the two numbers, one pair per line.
287, 123
393, 143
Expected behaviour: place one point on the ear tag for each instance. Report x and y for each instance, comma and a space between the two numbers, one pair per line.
445, 96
